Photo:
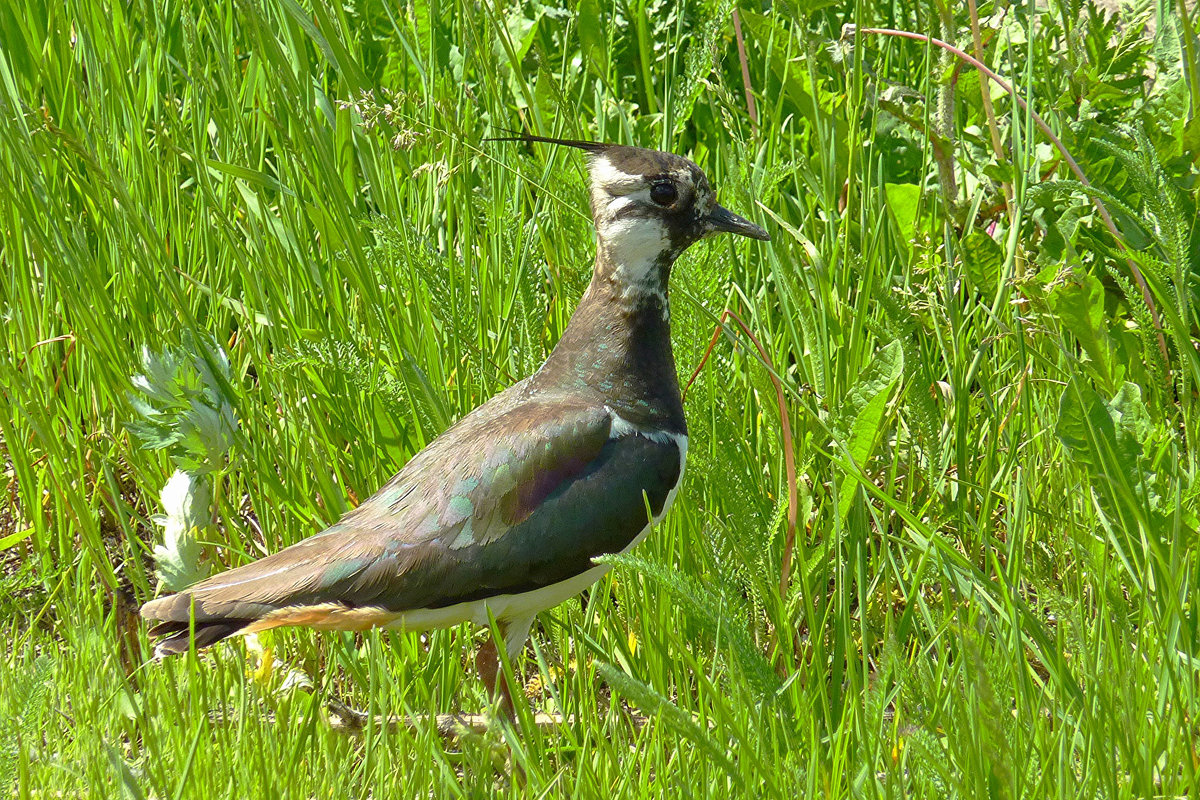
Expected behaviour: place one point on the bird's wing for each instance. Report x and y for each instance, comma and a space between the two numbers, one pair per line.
499, 504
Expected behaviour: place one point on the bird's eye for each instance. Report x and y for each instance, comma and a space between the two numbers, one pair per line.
663, 193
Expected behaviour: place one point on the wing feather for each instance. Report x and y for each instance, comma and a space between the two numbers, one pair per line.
501, 503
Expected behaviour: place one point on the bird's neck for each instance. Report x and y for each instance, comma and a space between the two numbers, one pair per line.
618, 343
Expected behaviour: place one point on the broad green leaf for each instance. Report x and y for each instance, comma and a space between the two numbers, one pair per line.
1105, 437
1083, 423
867, 402
592, 39
1133, 420
904, 201
879, 376
1079, 305
1107, 440
819, 108
126, 780
1190, 135
982, 260
522, 29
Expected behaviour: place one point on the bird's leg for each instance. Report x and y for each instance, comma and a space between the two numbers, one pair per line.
487, 664
514, 632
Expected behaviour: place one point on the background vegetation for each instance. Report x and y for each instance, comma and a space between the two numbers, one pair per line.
283, 216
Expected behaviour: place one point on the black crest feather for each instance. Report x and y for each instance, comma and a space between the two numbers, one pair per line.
594, 148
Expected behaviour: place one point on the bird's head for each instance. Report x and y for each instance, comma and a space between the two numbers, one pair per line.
646, 202
648, 207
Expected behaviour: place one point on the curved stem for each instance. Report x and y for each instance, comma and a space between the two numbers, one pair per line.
789, 452
986, 98
1140, 279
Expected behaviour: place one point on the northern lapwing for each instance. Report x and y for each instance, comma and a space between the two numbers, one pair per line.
505, 511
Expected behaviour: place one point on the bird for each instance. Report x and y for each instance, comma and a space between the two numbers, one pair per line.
501, 516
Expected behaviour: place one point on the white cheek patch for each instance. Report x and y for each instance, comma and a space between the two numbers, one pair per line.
610, 185
604, 172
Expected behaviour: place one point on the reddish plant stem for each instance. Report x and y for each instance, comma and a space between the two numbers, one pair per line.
789, 451
741, 47
1140, 279
986, 98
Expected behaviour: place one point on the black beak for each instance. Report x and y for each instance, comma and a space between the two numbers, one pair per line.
722, 220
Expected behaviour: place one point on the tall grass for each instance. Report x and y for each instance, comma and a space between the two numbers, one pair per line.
994, 585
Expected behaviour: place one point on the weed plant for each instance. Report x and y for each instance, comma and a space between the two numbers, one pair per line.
993, 586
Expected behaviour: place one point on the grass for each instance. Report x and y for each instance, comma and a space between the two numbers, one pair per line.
994, 584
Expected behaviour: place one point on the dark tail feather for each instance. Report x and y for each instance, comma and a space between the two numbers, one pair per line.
214, 619
178, 634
